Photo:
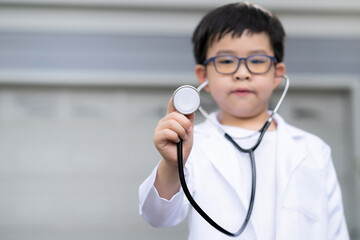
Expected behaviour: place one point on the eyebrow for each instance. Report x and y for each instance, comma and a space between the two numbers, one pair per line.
258, 52
224, 52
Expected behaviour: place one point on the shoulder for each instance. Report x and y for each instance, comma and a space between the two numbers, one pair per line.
301, 134
311, 142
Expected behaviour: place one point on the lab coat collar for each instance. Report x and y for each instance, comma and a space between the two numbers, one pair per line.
289, 152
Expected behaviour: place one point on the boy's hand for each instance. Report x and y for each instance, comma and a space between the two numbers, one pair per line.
168, 131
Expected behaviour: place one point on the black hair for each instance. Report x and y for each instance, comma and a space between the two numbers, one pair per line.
235, 18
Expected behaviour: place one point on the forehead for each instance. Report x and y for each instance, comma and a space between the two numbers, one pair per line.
245, 44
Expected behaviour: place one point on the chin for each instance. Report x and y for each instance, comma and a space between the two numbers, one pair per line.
250, 114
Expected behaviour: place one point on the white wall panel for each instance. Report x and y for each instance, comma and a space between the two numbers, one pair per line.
71, 161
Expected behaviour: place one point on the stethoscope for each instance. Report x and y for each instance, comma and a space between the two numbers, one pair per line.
186, 100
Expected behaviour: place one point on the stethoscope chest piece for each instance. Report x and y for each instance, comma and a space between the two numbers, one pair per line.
186, 99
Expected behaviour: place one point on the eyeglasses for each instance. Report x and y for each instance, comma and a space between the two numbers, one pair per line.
229, 64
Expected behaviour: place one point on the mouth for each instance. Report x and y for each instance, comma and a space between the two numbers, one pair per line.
242, 91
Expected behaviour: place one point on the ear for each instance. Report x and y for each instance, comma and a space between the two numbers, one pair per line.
280, 71
201, 75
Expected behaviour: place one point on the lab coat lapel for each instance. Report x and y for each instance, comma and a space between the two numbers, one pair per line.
289, 156
223, 156
219, 151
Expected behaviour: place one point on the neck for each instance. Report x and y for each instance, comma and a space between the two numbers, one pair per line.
251, 123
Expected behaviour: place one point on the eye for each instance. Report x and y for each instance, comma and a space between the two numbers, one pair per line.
258, 60
225, 61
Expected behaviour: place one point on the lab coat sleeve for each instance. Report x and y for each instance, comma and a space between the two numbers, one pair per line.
337, 228
157, 211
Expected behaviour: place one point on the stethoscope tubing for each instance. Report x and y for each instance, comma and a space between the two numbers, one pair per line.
191, 199
199, 209
188, 195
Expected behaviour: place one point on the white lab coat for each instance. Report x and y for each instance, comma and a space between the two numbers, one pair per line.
308, 196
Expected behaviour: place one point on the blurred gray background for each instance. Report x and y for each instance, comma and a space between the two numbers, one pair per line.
84, 82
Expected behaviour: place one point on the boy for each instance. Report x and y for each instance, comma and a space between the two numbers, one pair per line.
297, 194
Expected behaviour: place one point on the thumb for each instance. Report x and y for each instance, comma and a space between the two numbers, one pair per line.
171, 109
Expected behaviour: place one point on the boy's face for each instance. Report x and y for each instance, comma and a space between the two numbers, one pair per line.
242, 94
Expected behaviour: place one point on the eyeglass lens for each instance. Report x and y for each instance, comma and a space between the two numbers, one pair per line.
255, 64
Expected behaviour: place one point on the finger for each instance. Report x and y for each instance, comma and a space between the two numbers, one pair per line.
166, 135
179, 126
186, 121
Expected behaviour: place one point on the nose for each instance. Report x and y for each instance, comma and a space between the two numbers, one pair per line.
242, 72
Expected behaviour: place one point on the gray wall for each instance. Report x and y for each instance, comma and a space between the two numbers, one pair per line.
83, 84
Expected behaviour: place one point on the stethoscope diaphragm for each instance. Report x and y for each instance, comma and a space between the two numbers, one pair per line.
186, 99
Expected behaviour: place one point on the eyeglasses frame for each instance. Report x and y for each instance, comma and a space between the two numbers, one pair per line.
212, 59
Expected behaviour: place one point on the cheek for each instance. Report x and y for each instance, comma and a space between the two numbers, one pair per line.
218, 87
217, 93
265, 92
